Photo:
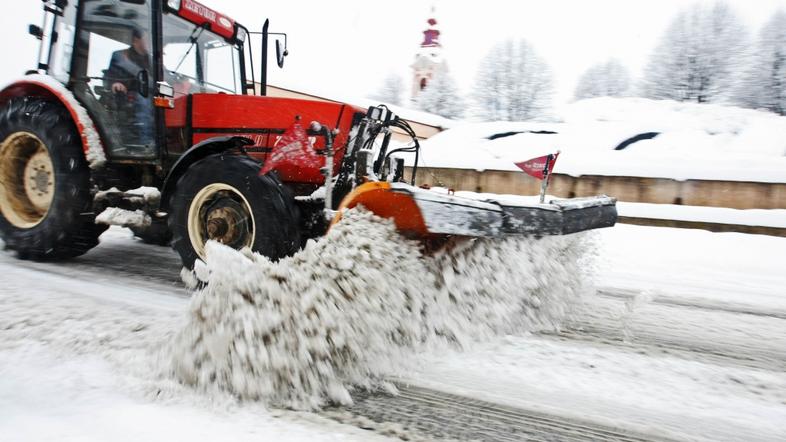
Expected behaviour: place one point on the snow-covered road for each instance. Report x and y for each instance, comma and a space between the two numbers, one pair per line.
78, 351
685, 341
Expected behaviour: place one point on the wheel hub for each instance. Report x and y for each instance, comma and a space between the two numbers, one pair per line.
39, 180
27, 180
226, 223
219, 212
217, 228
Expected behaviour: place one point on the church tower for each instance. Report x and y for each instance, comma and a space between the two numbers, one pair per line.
428, 58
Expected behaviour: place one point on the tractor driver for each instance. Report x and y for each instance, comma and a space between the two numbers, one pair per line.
122, 74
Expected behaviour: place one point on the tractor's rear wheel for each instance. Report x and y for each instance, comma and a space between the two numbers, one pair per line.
45, 199
223, 198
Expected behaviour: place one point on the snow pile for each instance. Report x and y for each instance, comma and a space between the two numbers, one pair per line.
354, 307
747, 217
150, 196
686, 126
115, 216
694, 141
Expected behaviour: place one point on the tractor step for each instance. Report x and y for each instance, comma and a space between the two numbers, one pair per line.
146, 199
131, 208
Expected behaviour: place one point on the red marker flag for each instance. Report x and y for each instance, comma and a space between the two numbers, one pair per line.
537, 167
292, 150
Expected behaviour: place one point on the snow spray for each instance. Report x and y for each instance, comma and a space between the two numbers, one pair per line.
359, 304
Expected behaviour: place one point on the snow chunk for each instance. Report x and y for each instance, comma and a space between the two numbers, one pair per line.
320, 193
114, 216
150, 195
317, 195
356, 305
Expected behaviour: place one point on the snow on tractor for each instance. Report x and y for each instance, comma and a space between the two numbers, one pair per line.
149, 113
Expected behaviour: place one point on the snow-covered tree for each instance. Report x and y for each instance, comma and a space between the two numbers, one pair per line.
391, 91
441, 96
610, 79
699, 57
764, 85
513, 83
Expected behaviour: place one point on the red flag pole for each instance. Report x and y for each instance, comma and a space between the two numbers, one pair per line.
533, 168
545, 182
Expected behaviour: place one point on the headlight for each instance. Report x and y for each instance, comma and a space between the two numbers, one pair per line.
173, 4
241, 35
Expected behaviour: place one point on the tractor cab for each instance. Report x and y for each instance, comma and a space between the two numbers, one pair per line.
112, 65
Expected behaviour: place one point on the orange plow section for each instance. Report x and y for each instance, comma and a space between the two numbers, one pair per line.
378, 197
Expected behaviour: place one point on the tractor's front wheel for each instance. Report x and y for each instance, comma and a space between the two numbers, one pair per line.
45, 200
222, 198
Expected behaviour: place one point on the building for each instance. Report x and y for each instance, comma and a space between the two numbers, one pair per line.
428, 59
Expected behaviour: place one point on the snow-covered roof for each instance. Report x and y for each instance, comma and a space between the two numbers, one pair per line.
411, 115
694, 141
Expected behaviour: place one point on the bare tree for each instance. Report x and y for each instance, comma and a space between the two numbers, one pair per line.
391, 91
441, 96
764, 85
513, 83
609, 79
699, 56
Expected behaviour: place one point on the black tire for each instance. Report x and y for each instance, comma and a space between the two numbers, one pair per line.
66, 228
157, 233
273, 217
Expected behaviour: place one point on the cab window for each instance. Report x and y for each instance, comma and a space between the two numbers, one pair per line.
197, 60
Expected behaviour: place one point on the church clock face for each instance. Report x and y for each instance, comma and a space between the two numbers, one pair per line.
423, 62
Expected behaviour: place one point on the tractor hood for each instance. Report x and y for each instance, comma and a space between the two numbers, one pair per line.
265, 120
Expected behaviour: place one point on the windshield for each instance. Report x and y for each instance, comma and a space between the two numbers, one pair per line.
197, 60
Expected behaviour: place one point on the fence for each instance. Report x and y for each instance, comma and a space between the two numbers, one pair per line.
729, 194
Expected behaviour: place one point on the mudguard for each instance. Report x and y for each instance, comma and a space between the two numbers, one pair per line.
38, 85
211, 146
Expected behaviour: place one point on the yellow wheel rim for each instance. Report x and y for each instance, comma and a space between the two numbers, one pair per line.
219, 212
27, 180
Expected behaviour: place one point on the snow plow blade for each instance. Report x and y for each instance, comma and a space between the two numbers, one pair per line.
426, 213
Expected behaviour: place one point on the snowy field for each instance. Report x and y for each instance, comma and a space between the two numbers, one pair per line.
684, 339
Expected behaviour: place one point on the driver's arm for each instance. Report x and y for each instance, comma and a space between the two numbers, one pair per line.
115, 73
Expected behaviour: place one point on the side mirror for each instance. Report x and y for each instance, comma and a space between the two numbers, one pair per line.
143, 83
35, 31
280, 53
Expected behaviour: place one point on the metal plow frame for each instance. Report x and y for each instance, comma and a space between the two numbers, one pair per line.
425, 212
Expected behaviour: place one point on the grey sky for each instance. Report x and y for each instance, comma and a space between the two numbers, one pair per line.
346, 48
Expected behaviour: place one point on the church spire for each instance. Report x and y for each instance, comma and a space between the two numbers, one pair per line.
431, 34
428, 58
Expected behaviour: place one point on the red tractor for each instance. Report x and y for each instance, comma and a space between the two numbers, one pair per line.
149, 113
